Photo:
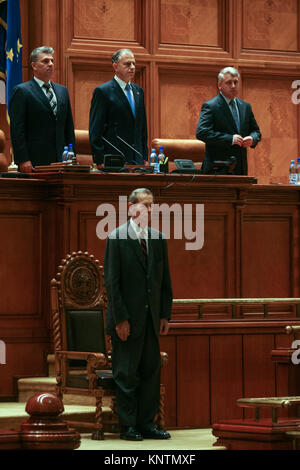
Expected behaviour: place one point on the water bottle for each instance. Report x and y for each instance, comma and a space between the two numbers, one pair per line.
71, 154
65, 154
154, 161
292, 173
161, 156
298, 171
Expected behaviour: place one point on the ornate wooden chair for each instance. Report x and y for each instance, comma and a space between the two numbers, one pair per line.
82, 350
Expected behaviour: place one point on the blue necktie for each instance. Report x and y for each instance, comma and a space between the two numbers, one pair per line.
130, 98
235, 114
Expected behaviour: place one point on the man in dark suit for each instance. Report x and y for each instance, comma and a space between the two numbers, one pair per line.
227, 125
41, 121
118, 111
139, 293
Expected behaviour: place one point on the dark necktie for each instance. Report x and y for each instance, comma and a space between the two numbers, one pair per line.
51, 97
144, 245
130, 98
235, 114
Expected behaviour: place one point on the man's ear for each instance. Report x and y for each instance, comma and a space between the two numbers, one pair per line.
131, 210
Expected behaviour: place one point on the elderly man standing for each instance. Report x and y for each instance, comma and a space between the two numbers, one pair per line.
41, 121
227, 125
118, 114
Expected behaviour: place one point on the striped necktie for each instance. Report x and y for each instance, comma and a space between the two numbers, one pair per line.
130, 98
51, 98
144, 245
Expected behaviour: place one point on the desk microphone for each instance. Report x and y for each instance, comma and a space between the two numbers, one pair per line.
109, 143
132, 148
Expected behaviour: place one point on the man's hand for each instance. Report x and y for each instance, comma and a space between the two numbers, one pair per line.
123, 330
164, 326
26, 167
247, 141
238, 140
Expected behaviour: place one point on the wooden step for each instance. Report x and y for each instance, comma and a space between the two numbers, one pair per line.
29, 386
13, 414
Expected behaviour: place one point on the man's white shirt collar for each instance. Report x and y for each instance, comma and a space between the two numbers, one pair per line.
138, 230
41, 82
121, 82
228, 99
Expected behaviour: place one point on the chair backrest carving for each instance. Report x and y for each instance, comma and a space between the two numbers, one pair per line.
78, 303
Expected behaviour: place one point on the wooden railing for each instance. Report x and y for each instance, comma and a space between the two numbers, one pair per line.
234, 303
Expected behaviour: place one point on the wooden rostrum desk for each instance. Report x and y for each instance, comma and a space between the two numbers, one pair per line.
251, 249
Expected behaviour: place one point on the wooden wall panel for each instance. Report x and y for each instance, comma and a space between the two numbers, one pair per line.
266, 237
271, 25
181, 96
20, 263
105, 20
259, 370
226, 364
179, 22
193, 394
24, 358
85, 81
278, 118
212, 279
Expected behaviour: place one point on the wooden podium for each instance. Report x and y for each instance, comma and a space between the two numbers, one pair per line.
251, 435
259, 434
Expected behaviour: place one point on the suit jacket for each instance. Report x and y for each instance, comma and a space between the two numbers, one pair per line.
216, 128
36, 134
111, 115
134, 289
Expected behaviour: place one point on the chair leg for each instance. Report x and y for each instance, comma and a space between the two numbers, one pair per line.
115, 428
98, 434
160, 417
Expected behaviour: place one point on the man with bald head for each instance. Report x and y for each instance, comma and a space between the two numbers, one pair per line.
227, 125
118, 114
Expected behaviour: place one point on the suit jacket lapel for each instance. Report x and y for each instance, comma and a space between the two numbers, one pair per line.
40, 95
135, 245
150, 250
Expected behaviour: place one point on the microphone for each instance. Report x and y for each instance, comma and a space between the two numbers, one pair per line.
128, 145
132, 148
109, 143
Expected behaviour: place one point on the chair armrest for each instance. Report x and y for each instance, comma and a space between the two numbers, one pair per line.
73, 355
163, 359
94, 362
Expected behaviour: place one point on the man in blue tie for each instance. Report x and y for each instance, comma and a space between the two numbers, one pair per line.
227, 125
117, 115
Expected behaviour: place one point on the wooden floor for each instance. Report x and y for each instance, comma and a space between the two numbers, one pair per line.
12, 415
188, 439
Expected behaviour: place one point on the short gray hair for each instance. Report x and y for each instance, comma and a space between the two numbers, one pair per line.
40, 50
133, 198
117, 55
230, 70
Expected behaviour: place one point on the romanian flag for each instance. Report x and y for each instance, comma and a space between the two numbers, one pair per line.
10, 45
